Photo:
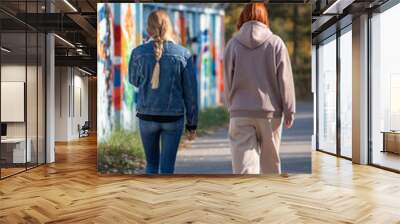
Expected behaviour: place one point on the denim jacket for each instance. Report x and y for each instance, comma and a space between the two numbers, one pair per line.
177, 91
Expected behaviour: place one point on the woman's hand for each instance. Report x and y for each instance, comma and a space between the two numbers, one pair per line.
289, 121
191, 135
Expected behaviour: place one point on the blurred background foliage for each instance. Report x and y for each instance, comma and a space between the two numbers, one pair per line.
292, 22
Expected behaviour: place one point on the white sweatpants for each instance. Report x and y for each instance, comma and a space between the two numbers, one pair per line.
255, 145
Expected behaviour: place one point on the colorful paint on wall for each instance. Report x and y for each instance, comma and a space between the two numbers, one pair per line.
121, 28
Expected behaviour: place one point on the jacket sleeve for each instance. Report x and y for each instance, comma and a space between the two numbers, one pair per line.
133, 71
190, 94
285, 80
229, 64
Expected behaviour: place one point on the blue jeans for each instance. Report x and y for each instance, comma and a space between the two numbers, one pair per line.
160, 159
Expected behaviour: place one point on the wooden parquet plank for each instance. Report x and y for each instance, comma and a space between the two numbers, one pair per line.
71, 191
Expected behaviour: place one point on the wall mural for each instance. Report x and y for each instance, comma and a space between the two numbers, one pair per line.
122, 27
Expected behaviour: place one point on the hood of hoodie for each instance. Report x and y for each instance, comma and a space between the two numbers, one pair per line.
252, 34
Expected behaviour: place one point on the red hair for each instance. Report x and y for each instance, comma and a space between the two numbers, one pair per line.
253, 11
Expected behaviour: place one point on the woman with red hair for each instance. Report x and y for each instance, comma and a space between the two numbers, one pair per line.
259, 92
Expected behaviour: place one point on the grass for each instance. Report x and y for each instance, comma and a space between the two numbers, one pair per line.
123, 152
212, 118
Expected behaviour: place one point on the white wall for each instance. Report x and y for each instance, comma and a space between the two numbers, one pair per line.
81, 85
62, 82
71, 102
33, 126
16, 73
10, 73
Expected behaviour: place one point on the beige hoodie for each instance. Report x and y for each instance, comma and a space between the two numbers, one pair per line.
257, 74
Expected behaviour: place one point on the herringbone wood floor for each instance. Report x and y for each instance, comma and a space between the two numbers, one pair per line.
70, 191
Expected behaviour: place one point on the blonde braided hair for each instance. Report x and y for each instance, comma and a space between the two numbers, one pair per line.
159, 27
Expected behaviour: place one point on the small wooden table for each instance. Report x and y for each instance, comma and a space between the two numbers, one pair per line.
391, 141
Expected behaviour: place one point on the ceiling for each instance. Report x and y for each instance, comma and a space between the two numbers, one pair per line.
328, 15
72, 20
75, 21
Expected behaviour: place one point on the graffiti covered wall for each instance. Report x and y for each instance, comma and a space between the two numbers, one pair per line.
200, 30
121, 28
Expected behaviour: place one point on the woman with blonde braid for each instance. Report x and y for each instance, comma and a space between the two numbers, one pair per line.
164, 73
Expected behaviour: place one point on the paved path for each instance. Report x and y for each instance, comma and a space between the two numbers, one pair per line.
211, 154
